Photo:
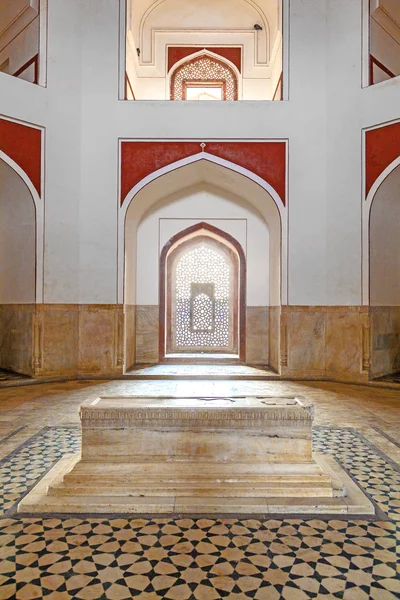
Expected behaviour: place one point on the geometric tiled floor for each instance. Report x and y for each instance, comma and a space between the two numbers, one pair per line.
200, 558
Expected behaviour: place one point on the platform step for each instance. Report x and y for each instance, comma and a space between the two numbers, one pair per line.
304, 490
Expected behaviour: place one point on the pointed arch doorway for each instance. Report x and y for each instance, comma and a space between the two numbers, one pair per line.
202, 296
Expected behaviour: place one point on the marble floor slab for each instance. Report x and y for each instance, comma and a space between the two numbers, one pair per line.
166, 370
210, 557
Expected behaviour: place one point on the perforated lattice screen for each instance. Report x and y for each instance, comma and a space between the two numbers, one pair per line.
203, 285
203, 69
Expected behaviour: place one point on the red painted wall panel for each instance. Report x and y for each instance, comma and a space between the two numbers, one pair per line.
265, 159
24, 145
382, 147
139, 159
176, 53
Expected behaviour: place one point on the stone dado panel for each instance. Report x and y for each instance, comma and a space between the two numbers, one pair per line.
325, 342
257, 338
385, 340
16, 337
348, 343
62, 340
147, 327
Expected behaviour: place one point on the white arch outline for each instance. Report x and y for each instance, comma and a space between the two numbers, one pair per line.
282, 209
366, 215
205, 52
39, 226
251, 3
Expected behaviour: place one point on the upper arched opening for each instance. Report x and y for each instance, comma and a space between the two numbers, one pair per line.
162, 32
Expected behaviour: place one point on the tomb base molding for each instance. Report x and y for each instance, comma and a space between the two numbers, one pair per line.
214, 455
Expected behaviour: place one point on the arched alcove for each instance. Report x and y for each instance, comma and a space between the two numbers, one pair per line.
202, 287
384, 276
17, 270
205, 76
223, 198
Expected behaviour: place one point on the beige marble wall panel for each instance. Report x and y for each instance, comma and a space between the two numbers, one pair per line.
147, 331
343, 341
130, 335
257, 345
56, 340
385, 340
324, 342
274, 315
101, 339
305, 339
16, 337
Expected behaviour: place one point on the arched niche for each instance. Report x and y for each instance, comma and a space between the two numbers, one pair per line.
384, 275
17, 239
206, 70
202, 294
168, 187
18, 267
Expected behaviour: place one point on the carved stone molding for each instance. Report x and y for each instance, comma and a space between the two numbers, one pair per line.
366, 343
284, 345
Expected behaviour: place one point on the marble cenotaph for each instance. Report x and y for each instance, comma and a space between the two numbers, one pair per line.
196, 455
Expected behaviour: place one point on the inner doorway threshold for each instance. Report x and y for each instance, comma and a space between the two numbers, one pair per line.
201, 371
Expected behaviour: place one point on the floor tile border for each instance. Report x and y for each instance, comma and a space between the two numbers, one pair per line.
379, 514
10, 435
387, 436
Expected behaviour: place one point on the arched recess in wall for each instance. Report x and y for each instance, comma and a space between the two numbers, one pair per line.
384, 181
217, 78
205, 170
384, 272
202, 294
21, 235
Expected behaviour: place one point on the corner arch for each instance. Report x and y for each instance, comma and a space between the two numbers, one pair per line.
39, 223
366, 223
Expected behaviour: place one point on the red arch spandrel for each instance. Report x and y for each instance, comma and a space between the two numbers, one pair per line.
176, 53
23, 144
382, 147
139, 159
265, 159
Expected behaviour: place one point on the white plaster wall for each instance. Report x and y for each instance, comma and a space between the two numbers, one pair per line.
58, 109
385, 243
17, 239
203, 203
344, 100
323, 121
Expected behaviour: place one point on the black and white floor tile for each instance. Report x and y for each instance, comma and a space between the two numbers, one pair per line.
201, 558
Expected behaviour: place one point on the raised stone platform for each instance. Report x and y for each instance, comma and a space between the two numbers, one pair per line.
196, 455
